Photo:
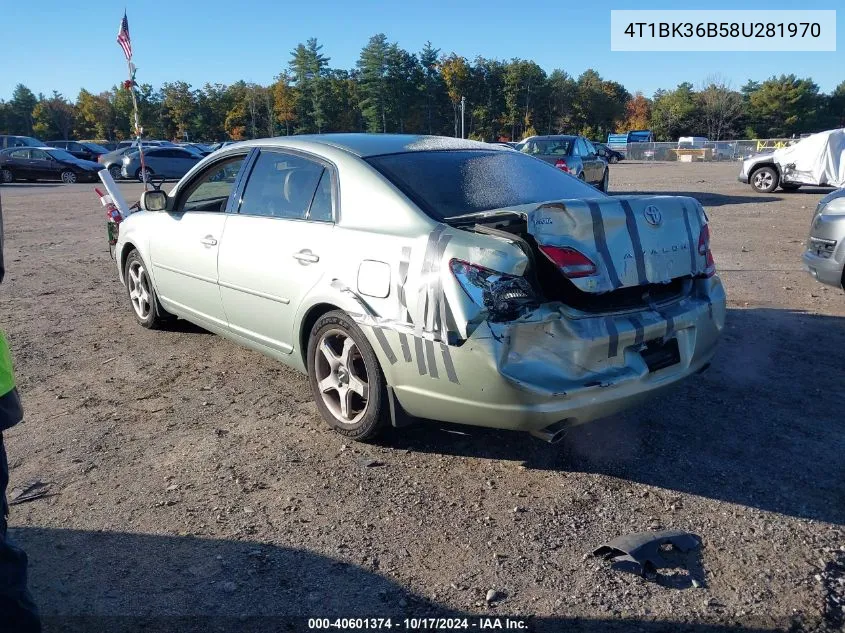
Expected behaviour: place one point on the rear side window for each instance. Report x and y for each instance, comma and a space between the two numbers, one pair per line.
281, 186
321, 207
20, 153
451, 183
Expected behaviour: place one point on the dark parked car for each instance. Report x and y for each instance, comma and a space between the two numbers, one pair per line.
45, 163
610, 155
167, 162
7, 141
573, 154
81, 149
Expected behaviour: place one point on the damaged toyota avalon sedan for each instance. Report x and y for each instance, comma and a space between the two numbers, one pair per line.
435, 278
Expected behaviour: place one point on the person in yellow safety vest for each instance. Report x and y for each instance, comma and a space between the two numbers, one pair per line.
17, 609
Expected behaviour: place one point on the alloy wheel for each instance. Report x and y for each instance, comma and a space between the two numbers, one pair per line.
5, 176
68, 177
139, 290
763, 179
341, 376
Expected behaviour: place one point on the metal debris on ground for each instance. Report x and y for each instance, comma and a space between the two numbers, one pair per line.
33, 490
644, 548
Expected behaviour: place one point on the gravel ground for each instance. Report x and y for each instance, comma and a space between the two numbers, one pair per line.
193, 487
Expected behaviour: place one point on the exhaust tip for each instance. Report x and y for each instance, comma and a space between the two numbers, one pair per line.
552, 434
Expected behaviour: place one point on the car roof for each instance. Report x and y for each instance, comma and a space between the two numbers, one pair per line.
552, 137
365, 145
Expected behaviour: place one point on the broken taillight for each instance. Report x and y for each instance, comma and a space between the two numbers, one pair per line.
561, 164
704, 249
501, 294
571, 263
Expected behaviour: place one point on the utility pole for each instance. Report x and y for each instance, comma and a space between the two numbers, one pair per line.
463, 110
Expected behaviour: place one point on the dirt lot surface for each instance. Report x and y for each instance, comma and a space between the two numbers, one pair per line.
193, 486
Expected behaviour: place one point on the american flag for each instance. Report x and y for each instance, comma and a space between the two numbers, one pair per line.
123, 37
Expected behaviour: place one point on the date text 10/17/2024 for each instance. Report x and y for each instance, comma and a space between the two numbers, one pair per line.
419, 624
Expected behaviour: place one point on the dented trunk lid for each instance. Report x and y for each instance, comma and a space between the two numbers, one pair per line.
633, 240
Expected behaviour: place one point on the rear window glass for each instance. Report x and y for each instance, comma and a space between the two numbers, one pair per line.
450, 183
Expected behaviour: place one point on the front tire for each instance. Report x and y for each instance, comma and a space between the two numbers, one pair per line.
764, 180
613, 160
69, 177
142, 296
115, 173
346, 379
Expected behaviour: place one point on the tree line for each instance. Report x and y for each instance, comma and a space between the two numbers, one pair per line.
394, 90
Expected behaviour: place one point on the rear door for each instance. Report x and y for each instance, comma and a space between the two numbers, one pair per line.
185, 245
275, 247
19, 163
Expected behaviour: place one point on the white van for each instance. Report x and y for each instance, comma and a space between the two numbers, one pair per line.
692, 142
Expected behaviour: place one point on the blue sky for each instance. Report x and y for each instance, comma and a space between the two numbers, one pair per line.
59, 45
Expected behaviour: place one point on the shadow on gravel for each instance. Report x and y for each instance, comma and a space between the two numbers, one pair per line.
707, 198
764, 427
118, 582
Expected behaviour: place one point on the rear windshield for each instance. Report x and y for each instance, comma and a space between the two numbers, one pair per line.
450, 183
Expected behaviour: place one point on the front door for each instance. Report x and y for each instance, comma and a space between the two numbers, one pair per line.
275, 247
185, 248
42, 166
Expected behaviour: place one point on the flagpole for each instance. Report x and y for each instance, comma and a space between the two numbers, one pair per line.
126, 44
137, 122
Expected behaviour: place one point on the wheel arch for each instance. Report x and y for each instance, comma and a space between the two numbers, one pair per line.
759, 166
307, 323
124, 254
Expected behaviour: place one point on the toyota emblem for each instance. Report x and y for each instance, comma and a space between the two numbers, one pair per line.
652, 215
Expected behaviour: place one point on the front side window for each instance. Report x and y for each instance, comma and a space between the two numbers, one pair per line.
212, 188
281, 186
40, 154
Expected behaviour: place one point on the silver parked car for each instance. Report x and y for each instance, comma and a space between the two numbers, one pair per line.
167, 162
428, 277
571, 154
824, 257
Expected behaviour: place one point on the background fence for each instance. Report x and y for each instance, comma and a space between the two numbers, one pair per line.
709, 151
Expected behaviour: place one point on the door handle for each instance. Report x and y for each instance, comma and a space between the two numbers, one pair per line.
208, 240
305, 257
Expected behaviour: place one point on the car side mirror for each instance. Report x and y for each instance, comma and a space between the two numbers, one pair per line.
154, 200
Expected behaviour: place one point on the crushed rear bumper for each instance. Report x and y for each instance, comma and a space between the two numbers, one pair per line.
551, 366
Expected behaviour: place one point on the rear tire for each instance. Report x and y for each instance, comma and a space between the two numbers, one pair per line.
69, 177
613, 160
347, 382
6, 176
115, 173
764, 179
605, 180
138, 175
